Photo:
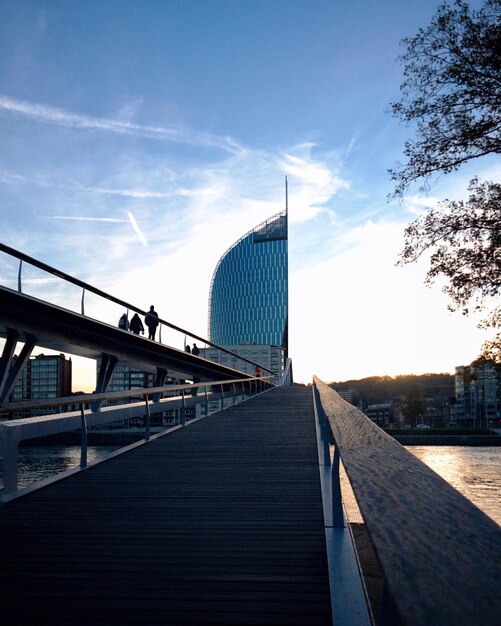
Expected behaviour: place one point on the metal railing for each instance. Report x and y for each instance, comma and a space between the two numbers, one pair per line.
439, 554
219, 393
39, 280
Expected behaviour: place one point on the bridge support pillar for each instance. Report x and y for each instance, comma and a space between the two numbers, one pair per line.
159, 382
106, 369
10, 368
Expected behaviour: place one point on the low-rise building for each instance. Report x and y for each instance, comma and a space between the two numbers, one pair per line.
478, 395
43, 377
386, 414
267, 356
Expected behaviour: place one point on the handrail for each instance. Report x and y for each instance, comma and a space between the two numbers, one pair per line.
112, 395
438, 552
87, 287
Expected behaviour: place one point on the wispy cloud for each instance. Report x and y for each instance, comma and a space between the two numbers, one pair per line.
316, 182
133, 193
12, 177
82, 218
54, 115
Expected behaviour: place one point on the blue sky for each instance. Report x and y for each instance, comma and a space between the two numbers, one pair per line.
140, 139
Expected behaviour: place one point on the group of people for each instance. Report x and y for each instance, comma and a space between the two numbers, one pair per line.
193, 350
151, 320
136, 325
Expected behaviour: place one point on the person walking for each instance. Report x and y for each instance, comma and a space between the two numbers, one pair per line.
151, 320
136, 325
123, 322
195, 350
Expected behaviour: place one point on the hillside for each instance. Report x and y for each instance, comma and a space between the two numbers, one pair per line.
436, 388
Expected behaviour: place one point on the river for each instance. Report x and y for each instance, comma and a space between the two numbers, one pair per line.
474, 471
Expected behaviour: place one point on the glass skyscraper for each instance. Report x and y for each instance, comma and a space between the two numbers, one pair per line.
248, 299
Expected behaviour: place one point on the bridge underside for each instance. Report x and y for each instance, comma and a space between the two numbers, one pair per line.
36, 323
65, 331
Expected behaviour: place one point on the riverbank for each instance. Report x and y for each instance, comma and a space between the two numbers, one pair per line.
448, 440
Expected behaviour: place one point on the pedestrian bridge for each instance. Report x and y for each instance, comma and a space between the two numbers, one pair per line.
236, 517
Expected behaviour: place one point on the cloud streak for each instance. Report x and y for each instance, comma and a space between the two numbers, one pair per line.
131, 220
132, 193
54, 115
136, 228
79, 218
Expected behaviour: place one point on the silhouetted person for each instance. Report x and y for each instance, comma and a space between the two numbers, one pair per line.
136, 325
151, 320
195, 350
123, 322
187, 348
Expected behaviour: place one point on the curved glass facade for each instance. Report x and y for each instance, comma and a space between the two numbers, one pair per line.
248, 299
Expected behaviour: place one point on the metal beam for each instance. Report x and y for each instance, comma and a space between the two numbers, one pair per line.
7, 354
16, 366
106, 369
159, 382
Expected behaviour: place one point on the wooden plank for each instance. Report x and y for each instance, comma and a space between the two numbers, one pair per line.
217, 523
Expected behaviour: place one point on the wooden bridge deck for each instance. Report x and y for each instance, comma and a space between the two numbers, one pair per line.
217, 523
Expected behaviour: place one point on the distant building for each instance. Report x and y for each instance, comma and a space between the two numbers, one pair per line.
386, 413
248, 300
346, 394
126, 378
478, 395
269, 357
43, 377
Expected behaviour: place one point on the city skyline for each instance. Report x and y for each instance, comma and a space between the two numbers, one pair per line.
141, 140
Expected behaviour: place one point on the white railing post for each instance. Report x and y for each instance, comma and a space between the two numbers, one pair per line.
10, 442
83, 449
337, 501
183, 409
206, 401
148, 419
325, 431
19, 286
82, 305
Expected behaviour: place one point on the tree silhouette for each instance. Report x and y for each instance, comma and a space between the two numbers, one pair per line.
452, 92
